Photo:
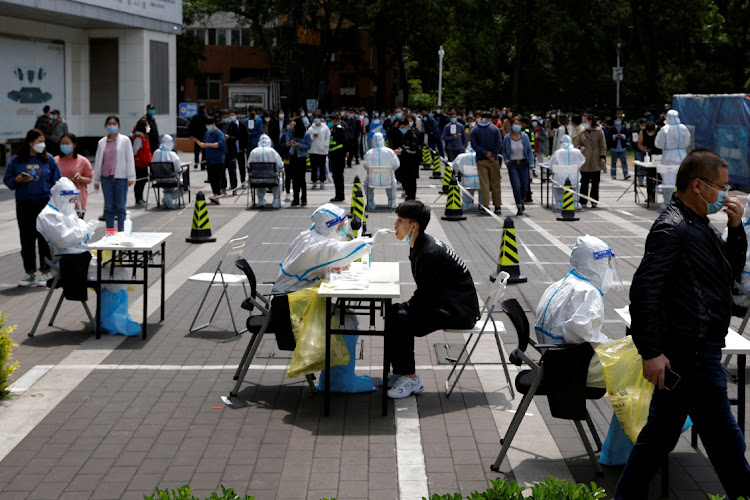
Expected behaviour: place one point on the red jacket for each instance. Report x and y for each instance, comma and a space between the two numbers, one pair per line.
143, 156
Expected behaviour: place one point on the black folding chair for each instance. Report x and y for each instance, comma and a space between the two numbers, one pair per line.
560, 375
260, 175
161, 175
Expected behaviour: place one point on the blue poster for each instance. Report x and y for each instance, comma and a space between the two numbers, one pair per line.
188, 109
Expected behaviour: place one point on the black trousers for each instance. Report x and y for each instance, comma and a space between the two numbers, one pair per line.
299, 185
241, 165
592, 178
317, 168
197, 156
26, 213
338, 162
141, 178
407, 176
231, 168
288, 176
215, 176
353, 149
404, 323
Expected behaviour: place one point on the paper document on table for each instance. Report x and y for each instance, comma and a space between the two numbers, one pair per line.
348, 282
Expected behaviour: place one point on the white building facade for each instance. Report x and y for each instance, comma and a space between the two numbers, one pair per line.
89, 59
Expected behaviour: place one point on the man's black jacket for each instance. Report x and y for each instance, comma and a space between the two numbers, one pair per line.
443, 281
680, 299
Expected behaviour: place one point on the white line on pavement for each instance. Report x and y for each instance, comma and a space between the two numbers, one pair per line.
412, 472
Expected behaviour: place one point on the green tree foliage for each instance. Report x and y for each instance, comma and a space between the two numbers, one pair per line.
499, 52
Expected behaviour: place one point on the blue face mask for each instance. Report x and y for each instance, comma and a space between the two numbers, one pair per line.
376, 115
112, 129
618, 122
398, 116
454, 120
209, 128
330, 124
152, 111
409, 236
225, 120
516, 128
585, 126
716, 206
66, 149
403, 130
342, 232
316, 121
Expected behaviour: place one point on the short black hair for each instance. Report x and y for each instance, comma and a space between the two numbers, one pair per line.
650, 126
112, 117
699, 164
576, 120
486, 114
45, 109
210, 120
403, 121
416, 211
24, 154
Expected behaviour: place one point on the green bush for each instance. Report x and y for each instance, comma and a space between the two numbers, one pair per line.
551, 489
185, 492
6, 354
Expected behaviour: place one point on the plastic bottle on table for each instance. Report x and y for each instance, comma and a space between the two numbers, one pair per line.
128, 225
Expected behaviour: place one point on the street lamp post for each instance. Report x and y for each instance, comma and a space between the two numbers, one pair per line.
617, 75
441, 53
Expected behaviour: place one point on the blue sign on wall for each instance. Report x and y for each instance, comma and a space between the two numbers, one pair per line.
188, 109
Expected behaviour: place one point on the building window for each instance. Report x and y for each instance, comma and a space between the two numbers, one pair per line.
236, 39
247, 38
200, 35
159, 66
221, 37
210, 88
104, 65
348, 84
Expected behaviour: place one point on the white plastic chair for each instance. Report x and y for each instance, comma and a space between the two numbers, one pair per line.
379, 177
219, 278
485, 319
668, 180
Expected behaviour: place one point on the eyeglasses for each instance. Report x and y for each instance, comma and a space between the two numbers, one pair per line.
718, 187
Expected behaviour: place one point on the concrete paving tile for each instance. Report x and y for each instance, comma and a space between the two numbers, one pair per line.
321, 480
120, 474
353, 489
264, 481
206, 480
354, 472
384, 494
154, 465
438, 464
269, 464
85, 482
292, 490
382, 480
48, 491
387, 465
319, 494
109, 491
97, 466
144, 483
13, 495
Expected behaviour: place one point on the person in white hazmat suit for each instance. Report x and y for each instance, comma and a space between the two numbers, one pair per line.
166, 154
565, 163
311, 255
673, 139
742, 299
466, 165
59, 223
381, 163
265, 153
571, 311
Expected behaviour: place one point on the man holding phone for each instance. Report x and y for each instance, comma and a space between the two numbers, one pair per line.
680, 305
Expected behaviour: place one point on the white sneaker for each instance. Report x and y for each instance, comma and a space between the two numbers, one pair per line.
322, 185
28, 280
392, 379
288, 197
43, 279
314, 186
244, 185
405, 386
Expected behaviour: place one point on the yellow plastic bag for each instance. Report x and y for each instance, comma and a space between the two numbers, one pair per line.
308, 315
629, 393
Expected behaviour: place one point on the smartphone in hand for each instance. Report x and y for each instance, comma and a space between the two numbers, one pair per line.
671, 379
26, 174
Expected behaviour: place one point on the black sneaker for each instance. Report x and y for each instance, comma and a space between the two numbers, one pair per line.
498, 210
215, 200
294, 204
627, 177
336, 199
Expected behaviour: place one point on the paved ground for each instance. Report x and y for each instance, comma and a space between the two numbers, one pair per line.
116, 417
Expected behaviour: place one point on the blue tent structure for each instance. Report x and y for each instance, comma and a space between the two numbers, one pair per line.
722, 125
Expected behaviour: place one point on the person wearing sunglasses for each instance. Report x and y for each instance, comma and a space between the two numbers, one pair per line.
680, 308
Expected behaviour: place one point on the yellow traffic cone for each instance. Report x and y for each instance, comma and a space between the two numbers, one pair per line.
508, 259
200, 232
453, 209
568, 208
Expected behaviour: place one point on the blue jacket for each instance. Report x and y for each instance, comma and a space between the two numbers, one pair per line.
527, 151
215, 155
304, 146
486, 137
452, 144
44, 177
256, 132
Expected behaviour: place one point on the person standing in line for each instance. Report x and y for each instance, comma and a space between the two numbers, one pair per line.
617, 140
243, 144
321, 140
408, 149
254, 128
58, 128
114, 169
153, 129
142, 152
213, 146
519, 158
681, 306
454, 136
487, 143
31, 174
197, 130
44, 121
231, 133
593, 145
283, 149
299, 146
77, 168
337, 156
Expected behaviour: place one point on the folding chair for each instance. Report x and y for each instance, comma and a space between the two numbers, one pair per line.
379, 177
260, 176
161, 175
273, 318
496, 293
53, 285
560, 375
234, 247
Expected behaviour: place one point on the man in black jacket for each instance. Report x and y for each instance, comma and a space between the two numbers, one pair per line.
407, 145
445, 297
197, 130
337, 154
680, 305
231, 136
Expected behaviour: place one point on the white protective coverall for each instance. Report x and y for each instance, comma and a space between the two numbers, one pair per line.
571, 310
673, 139
742, 299
381, 164
321, 248
59, 223
466, 164
565, 163
265, 153
166, 154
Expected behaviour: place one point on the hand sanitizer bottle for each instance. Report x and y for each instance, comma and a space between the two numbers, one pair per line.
128, 225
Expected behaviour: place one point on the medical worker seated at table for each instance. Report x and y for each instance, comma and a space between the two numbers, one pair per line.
445, 297
571, 310
313, 253
58, 222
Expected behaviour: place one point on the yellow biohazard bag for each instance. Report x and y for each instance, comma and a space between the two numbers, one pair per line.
629, 393
308, 315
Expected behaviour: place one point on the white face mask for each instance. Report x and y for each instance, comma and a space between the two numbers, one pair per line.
148, 130
39, 147
281, 117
